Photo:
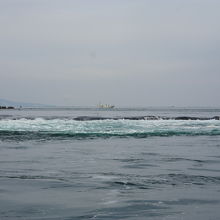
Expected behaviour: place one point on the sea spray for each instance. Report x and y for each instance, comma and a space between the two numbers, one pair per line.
70, 128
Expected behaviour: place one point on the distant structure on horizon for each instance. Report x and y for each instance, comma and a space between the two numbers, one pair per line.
105, 106
7, 107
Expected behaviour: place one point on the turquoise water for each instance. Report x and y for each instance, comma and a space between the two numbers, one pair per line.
55, 167
40, 128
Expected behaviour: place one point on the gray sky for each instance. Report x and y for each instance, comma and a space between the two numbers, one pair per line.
124, 52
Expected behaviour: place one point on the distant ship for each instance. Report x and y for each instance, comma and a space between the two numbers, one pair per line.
105, 106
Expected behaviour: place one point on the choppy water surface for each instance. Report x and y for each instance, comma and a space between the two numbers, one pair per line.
55, 167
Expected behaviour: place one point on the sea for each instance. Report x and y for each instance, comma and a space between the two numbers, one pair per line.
122, 163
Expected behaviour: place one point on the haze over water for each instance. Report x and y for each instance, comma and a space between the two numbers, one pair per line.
124, 163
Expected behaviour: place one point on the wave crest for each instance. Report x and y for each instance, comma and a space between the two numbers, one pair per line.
72, 129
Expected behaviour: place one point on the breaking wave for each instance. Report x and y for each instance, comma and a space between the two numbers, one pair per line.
39, 128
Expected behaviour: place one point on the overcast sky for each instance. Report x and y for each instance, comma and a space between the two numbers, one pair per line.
123, 52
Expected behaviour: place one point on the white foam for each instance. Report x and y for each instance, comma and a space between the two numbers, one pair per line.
109, 126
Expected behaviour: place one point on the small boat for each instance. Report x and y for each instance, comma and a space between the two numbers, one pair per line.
105, 106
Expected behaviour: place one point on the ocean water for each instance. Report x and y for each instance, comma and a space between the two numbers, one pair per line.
127, 163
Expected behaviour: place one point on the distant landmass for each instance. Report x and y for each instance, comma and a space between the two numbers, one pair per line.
5, 102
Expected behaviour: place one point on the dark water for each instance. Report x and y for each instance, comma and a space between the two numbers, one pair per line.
173, 176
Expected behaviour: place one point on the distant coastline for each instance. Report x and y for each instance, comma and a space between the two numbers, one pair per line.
7, 107
17, 105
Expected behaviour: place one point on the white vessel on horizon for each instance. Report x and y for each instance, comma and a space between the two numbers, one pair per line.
105, 106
